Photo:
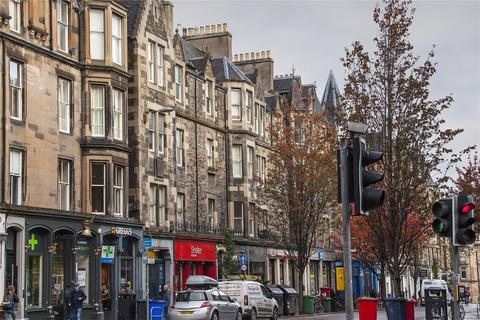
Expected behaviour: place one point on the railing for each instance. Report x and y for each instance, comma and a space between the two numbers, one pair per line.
208, 229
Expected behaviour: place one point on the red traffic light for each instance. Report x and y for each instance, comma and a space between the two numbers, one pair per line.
467, 207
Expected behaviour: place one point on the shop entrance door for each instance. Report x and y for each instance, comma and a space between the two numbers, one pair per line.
11, 274
106, 289
62, 274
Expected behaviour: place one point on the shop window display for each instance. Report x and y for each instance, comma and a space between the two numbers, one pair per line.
35, 259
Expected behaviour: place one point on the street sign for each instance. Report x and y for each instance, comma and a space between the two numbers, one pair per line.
147, 243
321, 254
108, 254
243, 260
243, 267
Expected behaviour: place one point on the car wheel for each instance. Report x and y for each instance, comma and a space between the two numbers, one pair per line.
254, 314
239, 314
214, 315
274, 314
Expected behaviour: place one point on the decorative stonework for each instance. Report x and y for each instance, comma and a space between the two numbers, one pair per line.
37, 34
4, 19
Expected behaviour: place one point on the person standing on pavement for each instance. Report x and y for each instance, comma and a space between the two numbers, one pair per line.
76, 301
9, 304
166, 299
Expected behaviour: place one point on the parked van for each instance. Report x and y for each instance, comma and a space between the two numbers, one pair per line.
434, 284
255, 299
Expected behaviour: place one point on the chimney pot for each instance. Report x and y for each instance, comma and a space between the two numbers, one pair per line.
207, 29
263, 54
219, 27
247, 56
197, 31
257, 55
202, 30
225, 27
235, 57
184, 32
190, 31
212, 28
268, 53
241, 56
252, 55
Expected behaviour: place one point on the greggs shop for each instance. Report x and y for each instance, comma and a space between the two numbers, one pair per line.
194, 258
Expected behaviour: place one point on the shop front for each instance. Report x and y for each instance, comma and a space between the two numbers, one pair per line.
160, 265
120, 270
193, 258
256, 262
56, 255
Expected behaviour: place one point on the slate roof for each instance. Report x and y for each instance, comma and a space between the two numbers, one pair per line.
134, 9
191, 51
331, 98
225, 70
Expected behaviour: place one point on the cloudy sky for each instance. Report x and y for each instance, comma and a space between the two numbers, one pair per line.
312, 36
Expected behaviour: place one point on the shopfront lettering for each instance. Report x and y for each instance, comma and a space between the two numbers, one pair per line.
122, 231
196, 251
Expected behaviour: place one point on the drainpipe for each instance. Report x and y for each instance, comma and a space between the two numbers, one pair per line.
50, 22
4, 119
227, 152
196, 156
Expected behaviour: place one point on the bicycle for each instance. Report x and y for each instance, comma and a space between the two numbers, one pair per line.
461, 312
317, 304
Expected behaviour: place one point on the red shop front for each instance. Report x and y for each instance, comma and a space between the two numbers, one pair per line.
194, 258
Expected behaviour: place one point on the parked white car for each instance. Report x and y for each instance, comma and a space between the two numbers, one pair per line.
254, 299
434, 284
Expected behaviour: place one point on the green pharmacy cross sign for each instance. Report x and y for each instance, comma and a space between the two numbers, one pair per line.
108, 254
32, 241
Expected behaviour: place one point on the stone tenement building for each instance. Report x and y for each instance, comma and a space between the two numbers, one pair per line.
127, 150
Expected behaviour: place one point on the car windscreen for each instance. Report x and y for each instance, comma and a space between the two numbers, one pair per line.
191, 296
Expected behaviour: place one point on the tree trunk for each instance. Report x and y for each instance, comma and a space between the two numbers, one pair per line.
301, 272
383, 284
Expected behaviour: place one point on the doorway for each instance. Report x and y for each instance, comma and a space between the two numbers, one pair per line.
11, 268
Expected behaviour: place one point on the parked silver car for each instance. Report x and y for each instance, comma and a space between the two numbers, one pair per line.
210, 304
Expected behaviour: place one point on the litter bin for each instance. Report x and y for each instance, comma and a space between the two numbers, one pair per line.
410, 309
126, 307
308, 304
290, 299
327, 305
367, 309
436, 304
277, 294
156, 309
395, 308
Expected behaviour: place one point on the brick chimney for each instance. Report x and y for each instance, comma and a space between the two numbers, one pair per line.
216, 38
259, 62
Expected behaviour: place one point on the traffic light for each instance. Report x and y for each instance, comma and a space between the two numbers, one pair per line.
442, 224
365, 198
464, 219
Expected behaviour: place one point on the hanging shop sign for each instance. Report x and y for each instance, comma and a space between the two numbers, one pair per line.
122, 231
108, 254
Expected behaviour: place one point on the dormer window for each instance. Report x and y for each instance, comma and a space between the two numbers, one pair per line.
97, 34
62, 25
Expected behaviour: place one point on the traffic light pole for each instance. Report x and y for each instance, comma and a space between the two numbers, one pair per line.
347, 254
455, 309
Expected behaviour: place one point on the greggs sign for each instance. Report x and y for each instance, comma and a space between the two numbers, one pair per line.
194, 251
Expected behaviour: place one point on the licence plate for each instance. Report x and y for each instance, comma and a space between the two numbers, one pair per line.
186, 312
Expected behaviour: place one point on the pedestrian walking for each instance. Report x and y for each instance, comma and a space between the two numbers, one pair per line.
66, 296
10, 303
77, 296
166, 299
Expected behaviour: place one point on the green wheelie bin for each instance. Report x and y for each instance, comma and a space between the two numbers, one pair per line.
308, 304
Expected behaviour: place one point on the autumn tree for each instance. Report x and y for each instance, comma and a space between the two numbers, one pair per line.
468, 180
388, 90
298, 196
227, 264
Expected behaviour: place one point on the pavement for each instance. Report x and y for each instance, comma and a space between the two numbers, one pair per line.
470, 314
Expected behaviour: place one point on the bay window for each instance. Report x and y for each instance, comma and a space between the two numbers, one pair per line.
97, 34
236, 104
161, 133
117, 114
97, 104
118, 183
237, 161
250, 162
249, 106
116, 39
208, 96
